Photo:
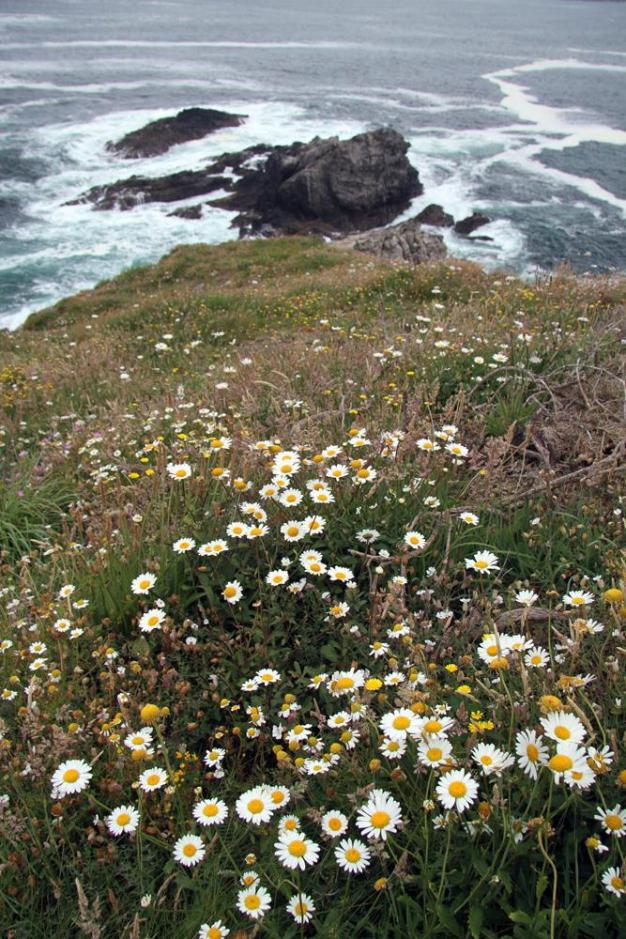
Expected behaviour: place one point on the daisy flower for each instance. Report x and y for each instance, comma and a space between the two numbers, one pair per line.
435, 751
352, 855
141, 740
267, 676
469, 518
399, 723
143, 583
255, 806
414, 540
232, 591
179, 470
183, 545
536, 657
189, 850
483, 561
563, 727
613, 820
151, 620
393, 747
301, 908
526, 597
121, 820
254, 901
214, 757
380, 815
295, 850
568, 758
345, 682
279, 795
288, 824
334, 823
614, 881
216, 930
578, 598
153, 778
210, 812
457, 790
276, 578
71, 777
491, 759
531, 752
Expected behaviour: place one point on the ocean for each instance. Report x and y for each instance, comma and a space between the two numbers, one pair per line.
516, 109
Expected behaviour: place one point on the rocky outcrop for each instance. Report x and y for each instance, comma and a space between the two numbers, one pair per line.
325, 186
187, 211
467, 225
403, 242
435, 215
127, 193
158, 136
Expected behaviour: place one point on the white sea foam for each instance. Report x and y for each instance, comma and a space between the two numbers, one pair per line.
553, 128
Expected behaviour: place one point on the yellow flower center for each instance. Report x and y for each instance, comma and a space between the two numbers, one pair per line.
123, 818
252, 901
210, 810
277, 797
532, 752
432, 727
230, 591
189, 850
434, 754
481, 565
334, 824
153, 779
562, 732
315, 567
486, 760
297, 848
138, 740
255, 806
535, 659
300, 909
560, 763
214, 933
181, 473
291, 824
617, 883
401, 722
266, 676
457, 789
70, 775
342, 684
380, 819
614, 822
153, 620
144, 583
353, 855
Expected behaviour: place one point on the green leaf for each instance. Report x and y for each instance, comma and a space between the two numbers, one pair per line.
518, 916
476, 916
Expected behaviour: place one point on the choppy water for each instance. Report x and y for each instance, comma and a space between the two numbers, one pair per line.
516, 109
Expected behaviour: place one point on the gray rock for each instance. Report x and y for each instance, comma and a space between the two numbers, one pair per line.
467, 225
403, 242
434, 214
158, 136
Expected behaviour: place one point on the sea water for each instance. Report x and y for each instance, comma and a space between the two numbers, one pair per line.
515, 109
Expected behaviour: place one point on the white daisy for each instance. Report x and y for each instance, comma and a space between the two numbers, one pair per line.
122, 820
352, 855
380, 815
189, 850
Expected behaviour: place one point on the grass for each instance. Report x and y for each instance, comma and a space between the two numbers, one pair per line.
227, 359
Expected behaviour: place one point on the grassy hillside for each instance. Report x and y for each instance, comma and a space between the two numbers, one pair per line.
246, 498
